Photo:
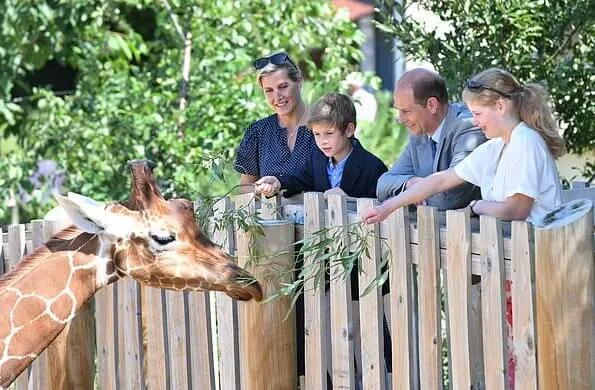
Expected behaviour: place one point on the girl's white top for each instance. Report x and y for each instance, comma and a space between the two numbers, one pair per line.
523, 166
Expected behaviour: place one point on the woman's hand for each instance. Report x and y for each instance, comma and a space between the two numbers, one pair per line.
267, 185
376, 214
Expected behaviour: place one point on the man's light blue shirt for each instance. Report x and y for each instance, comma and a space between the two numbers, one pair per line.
436, 136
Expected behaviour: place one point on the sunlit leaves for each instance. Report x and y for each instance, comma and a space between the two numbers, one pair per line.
546, 42
129, 68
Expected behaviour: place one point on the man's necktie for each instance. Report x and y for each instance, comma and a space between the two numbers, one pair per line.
433, 146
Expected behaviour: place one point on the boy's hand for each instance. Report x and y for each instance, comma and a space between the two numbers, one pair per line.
267, 185
336, 190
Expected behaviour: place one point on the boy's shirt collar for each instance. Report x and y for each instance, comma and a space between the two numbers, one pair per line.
341, 162
335, 171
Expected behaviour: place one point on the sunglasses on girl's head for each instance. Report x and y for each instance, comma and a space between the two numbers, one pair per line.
275, 59
476, 86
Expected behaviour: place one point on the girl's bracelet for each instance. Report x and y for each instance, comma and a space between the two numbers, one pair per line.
473, 203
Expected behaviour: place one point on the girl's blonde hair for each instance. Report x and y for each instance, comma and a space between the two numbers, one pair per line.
530, 100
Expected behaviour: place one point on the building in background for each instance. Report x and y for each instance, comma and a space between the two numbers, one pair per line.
380, 54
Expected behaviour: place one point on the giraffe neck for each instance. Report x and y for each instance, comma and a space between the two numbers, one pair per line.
44, 292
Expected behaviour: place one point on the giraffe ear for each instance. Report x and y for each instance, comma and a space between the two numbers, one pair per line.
84, 212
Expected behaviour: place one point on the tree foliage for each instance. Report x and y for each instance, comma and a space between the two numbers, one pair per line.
545, 41
127, 56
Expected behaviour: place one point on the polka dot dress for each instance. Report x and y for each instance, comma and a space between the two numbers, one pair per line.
264, 151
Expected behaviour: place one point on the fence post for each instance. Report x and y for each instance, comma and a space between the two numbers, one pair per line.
564, 276
267, 330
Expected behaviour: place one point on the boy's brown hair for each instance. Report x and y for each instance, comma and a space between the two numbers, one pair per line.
334, 109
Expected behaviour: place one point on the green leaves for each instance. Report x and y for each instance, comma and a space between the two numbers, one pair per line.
128, 56
546, 42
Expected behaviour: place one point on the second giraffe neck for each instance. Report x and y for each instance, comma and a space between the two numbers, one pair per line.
44, 292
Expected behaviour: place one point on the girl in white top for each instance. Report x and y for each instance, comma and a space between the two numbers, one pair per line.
515, 169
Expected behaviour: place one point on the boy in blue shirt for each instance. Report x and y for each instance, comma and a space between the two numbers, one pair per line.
340, 164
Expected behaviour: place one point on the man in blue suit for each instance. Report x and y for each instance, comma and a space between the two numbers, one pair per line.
441, 135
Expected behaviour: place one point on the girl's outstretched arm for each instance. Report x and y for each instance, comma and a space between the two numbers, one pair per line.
423, 189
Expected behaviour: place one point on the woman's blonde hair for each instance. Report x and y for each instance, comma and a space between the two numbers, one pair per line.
530, 100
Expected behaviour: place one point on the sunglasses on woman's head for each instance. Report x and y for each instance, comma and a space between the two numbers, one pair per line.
275, 59
476, 86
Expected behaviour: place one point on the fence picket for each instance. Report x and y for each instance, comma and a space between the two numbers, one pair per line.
343, 370
202, 373
130, 349
177, 339
522, 307
458, 282
430, 339
156, 374
404, 349
39, 379
492, 299
315, 316
371, 308
106, 338
16, 251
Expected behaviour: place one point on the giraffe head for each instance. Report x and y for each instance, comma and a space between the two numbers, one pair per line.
158, 242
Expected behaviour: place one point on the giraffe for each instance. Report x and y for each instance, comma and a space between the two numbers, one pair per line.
147, 238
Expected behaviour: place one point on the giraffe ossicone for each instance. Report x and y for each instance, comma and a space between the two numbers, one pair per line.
155, 241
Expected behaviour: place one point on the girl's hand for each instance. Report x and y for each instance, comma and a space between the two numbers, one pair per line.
376, 214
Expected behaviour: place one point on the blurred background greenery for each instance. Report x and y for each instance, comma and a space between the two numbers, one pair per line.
120, 66
119, 99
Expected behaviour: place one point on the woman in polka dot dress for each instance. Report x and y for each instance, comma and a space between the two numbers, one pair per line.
280, 143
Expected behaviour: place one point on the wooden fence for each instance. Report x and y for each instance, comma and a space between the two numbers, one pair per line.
446, 332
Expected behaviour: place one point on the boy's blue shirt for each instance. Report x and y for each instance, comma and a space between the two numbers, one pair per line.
335, 171
359, 178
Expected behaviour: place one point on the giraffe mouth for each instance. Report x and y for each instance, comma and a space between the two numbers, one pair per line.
245, 287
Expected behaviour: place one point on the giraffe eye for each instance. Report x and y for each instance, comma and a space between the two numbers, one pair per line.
163, 239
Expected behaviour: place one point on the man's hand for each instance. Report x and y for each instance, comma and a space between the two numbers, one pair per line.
267, 185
